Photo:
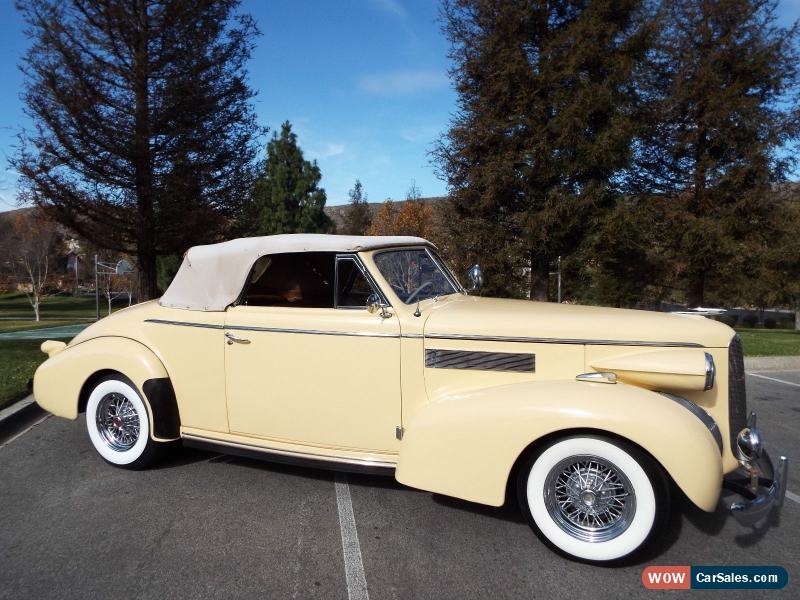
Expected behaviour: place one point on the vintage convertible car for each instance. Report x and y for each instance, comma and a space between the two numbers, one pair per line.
365, 353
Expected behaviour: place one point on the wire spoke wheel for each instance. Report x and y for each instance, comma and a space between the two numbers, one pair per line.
117, 422
589, 498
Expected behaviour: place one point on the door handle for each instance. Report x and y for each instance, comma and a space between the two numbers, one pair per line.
232, 338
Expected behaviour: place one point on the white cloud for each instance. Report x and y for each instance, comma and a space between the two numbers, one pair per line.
422, 133
328, 150
403, 82
393, 7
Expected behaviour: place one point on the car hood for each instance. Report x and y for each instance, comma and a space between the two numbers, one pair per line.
468, 316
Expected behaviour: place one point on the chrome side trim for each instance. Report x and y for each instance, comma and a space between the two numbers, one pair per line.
711, 372
701, 414
435, 336
537, 340
386, 464
272, 329
184, 323
480, 361
311, 331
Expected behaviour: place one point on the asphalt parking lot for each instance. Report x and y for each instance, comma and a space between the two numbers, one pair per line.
205, 525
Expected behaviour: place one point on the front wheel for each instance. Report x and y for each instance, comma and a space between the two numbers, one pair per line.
593, 498
119, 425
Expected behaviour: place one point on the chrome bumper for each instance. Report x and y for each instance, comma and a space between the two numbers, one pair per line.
760, 482
768, 495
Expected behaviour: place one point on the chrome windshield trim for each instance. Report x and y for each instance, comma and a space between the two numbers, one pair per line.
537, 340
364, 271
306, 455
184, 323
435, 258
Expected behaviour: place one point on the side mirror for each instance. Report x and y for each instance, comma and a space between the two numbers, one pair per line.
374, 305
474, 279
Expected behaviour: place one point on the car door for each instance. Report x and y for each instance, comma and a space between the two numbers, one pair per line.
305, 362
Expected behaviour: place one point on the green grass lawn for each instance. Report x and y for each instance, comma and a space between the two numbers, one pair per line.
770, 342
16, 305
18, 361
22, 325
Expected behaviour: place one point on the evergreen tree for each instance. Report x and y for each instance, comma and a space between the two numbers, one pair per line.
287, 197
723, 105
357, 216
543, 126
144, 134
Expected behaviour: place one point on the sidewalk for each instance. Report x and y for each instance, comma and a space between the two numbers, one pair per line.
772, 363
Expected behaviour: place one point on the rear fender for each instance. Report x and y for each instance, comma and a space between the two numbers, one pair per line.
465, 444
64, 380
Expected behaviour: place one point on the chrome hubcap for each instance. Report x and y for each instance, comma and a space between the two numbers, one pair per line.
117, 422
589, 498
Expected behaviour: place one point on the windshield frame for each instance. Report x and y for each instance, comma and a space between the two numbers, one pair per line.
435, 258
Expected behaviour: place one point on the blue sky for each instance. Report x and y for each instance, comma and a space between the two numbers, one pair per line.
364, 83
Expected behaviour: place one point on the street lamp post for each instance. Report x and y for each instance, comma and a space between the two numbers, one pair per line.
557, 273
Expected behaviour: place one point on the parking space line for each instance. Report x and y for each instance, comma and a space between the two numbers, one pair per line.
792, 383
792, 496
353, 565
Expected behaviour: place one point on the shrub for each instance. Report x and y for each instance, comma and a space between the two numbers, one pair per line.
750, 320
770, 323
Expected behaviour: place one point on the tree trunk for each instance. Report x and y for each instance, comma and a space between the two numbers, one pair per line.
797, 317
695, 290
540, 277
145, 239
36, 309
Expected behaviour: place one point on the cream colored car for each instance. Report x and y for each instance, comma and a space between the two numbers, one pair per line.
365, 353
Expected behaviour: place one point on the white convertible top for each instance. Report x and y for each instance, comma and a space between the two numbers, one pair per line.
212, 277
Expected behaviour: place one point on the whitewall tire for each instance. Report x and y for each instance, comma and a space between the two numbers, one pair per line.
119, 425
593, 498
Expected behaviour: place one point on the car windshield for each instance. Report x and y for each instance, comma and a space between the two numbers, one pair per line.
414, 274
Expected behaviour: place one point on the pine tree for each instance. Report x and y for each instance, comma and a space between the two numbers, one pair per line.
722, 106
287, 197
144, 134
357, 215
542, 129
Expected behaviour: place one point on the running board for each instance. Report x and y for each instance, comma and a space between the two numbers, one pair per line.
289, 457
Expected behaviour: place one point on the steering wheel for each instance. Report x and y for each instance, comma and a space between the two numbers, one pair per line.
398, 289
416, 292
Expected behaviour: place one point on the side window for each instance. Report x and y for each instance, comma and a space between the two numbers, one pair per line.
352, 287
298, 279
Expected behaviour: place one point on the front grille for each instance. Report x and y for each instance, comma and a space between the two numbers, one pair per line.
737, 396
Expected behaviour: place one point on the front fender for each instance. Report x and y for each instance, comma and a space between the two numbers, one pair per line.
465, 444
58, 381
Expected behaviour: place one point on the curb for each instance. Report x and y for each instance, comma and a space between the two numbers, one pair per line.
772, 363
16, 417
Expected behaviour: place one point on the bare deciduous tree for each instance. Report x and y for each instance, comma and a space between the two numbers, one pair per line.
30, 250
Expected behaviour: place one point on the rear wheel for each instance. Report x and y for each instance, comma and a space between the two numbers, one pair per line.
119, 425
594, 498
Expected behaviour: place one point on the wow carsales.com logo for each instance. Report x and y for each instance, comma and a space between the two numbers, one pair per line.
717, 577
